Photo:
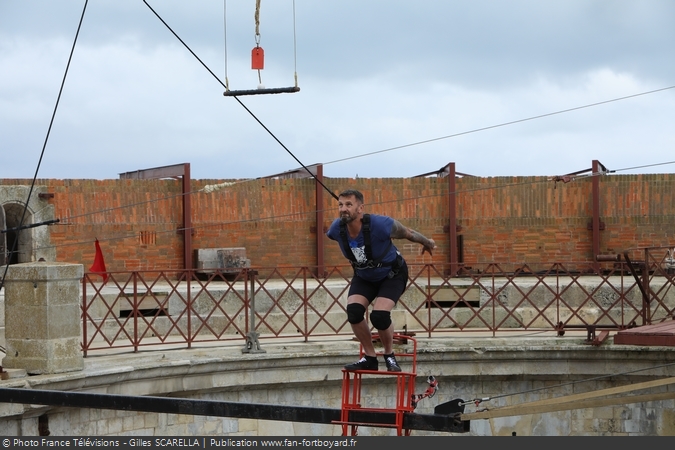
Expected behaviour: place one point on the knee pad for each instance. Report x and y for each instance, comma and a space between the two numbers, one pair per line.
380, 319
355, 313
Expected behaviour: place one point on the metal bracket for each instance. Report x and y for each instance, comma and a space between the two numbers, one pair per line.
252, 343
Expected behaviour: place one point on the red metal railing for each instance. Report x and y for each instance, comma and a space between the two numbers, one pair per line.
139, 309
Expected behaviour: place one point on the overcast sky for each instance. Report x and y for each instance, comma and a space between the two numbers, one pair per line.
374, 75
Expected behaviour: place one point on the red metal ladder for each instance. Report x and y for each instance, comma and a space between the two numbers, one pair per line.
405, 389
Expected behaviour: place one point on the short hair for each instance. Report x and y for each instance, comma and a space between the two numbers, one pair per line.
352, 192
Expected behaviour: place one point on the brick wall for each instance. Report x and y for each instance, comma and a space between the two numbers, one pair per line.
532, 219
506, 219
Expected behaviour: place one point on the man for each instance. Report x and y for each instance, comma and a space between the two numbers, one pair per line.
380, 273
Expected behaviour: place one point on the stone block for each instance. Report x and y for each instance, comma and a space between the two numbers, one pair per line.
275, 428
211, 259
44, 356
10, 410
454, 293
42, 310
150, 420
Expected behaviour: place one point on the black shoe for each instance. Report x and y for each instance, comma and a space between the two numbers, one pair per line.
365, 363
392, 365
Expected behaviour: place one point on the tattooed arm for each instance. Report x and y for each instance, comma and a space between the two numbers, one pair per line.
398, 231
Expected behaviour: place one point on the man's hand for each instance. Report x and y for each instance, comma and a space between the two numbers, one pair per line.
429, 246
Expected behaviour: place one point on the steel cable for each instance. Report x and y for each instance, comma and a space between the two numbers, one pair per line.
44, 145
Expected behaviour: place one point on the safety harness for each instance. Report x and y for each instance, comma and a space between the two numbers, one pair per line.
370, 261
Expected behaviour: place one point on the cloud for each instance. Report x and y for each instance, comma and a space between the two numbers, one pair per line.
373, 75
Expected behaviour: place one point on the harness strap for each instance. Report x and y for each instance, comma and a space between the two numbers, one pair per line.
366, 237
345, 243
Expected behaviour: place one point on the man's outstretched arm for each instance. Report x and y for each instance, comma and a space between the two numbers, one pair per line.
398, 231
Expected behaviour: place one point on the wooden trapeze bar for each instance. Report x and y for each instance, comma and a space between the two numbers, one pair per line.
283, 90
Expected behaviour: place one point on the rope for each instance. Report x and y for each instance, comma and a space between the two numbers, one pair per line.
44, 145
257, 37
208, 189
504, 124
227, 82
257, 43
257, 22
571, 383
415, 143
295, 51
237, 99
216, 187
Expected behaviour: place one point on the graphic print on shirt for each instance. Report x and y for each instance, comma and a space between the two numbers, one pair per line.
359, 252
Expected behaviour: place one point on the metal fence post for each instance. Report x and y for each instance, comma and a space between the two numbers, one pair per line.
252, 343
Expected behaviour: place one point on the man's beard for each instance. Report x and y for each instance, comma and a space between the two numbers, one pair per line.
346, 218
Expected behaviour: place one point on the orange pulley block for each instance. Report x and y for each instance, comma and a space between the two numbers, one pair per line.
257, 58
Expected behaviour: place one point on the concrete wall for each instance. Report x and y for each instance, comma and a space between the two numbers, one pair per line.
514, 219
308, 374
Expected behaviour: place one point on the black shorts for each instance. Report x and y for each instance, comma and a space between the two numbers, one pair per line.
389, 287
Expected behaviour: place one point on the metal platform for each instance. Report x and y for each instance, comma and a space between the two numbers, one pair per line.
283, 90
660, 334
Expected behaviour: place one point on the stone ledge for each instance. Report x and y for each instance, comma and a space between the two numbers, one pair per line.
9, 374
223, 368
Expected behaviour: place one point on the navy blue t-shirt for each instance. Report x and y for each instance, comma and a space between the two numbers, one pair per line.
380, 232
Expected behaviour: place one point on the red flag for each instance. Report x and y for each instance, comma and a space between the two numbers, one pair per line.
99, 263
